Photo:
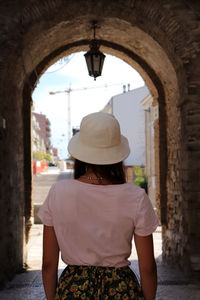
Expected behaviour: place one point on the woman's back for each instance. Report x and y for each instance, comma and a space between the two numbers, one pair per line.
94, 224
93, 218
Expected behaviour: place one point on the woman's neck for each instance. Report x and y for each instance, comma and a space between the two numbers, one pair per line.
92, 178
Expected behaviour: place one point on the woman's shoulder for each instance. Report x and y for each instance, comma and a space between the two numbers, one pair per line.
64, 183
71, 184
134, 187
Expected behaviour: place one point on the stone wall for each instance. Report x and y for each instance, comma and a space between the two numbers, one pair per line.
12, 187
161, 39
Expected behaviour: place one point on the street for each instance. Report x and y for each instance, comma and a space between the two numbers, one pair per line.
43, 182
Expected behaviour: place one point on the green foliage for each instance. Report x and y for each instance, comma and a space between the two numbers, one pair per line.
140, 177
48, 157
70, 158
141, 181
40, 155
138, 171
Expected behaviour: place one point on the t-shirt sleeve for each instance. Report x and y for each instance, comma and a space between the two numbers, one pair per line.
146, 220
45, 212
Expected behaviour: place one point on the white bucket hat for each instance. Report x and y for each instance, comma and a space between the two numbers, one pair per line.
99, 140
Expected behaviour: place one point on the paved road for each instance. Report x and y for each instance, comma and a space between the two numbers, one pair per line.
43, 182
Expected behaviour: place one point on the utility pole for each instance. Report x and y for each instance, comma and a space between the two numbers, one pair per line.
68, 91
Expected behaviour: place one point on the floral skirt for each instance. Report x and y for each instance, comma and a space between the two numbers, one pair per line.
98, 283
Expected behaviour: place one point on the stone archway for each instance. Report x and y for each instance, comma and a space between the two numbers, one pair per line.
157, 40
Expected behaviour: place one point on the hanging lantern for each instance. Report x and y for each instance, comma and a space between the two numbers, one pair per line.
94, 58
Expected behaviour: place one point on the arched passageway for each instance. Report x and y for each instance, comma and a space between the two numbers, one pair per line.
159, 42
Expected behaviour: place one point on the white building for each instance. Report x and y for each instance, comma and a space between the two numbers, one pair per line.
127, 109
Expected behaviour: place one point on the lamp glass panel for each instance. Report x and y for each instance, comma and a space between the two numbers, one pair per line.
101, 63
88, 62
96, 61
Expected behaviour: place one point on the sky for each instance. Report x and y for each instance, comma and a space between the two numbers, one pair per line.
93, 95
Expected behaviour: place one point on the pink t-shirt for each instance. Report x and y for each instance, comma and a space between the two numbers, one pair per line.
94, 224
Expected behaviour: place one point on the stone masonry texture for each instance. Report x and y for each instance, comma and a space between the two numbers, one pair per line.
161, 40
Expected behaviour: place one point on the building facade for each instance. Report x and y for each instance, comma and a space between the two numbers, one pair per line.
127, 109
38, 143
43, 130
55, 155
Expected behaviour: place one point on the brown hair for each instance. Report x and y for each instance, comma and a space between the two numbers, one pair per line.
114, 172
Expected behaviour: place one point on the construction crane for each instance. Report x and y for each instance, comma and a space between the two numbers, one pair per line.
69, 90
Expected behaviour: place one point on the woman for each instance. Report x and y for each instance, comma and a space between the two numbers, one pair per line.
92, 219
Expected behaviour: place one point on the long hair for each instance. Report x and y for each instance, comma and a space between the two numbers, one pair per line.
114, 173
